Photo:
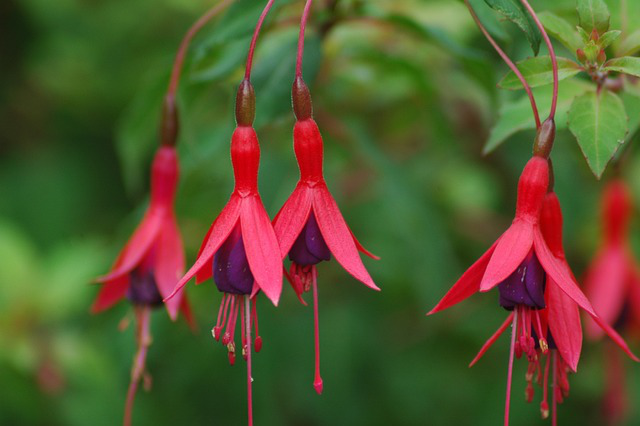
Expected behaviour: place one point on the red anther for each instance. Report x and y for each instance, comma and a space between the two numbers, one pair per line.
529, 392
318, 385
216, 333
518, 350
244, 351
258, 344
226, 338
232, 358
544, 409
557, 393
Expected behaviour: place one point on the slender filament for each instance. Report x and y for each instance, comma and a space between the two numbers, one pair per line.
514, 331
317, 381
143, 335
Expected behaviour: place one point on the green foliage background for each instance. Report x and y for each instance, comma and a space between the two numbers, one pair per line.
405, 95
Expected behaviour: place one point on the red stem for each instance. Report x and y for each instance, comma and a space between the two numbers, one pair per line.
184, 45
254, 40
554, 402
552, 54
144, 341
247, 322
514, 331
303, 26
509, 63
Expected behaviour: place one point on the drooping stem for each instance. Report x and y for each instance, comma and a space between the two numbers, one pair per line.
247, 323
254, 39
552, 55
143, 336
509, 63
317, 381
514, 331
169, 127
303, 26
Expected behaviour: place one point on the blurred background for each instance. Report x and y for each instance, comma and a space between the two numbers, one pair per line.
405, 95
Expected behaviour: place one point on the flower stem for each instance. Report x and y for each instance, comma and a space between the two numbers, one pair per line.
143, 335
514, 331
554, 401
247, 322
254, 39
552, 55
303, 26
509, 63
169, 126
317, 381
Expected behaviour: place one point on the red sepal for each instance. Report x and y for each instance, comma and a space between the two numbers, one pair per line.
564, 323
292, 217
492, 340
169, 264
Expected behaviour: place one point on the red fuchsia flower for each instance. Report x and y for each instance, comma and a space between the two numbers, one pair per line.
613, 282
309, 226
528, 266
240, 250
149, 266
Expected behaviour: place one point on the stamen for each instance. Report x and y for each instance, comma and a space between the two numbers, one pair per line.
143, 335
554, 402
247, 322
216, 330
227, 334
510, 371
544, 405
254, 313
243, 340
317, 381
544, 346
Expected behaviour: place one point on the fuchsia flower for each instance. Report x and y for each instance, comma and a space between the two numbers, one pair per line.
309, 226
613, 282
149, 266
613, 279
528, 266
147, 269
240, 250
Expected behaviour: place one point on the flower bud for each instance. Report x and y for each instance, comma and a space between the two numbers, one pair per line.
301, 100
245, 104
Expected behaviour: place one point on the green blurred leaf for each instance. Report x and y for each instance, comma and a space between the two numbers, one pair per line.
626, 65
514, 11
516, 116
607, 38
630, 45
599, 123
593, 14
220, 61
562, 30
631, 101
538, 72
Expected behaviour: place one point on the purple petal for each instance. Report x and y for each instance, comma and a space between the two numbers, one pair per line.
231, 271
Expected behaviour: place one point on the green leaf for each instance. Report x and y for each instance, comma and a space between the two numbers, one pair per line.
514, 11
538, 72
630, 45
515, 116
607, 38
593, 14
562, 30
599, 123
626, 65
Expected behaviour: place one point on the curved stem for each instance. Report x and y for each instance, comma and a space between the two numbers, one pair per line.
303, 26
317, 380
143, 335
509, 63
552, 55
254, 39
184, 45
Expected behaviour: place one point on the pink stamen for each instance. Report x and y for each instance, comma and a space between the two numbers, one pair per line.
254, 313
143, 334
216, 330
544, 405
243, 339
510, 371
492, 340
227, 333
247, 322
317, 381
554, 402
544, 347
